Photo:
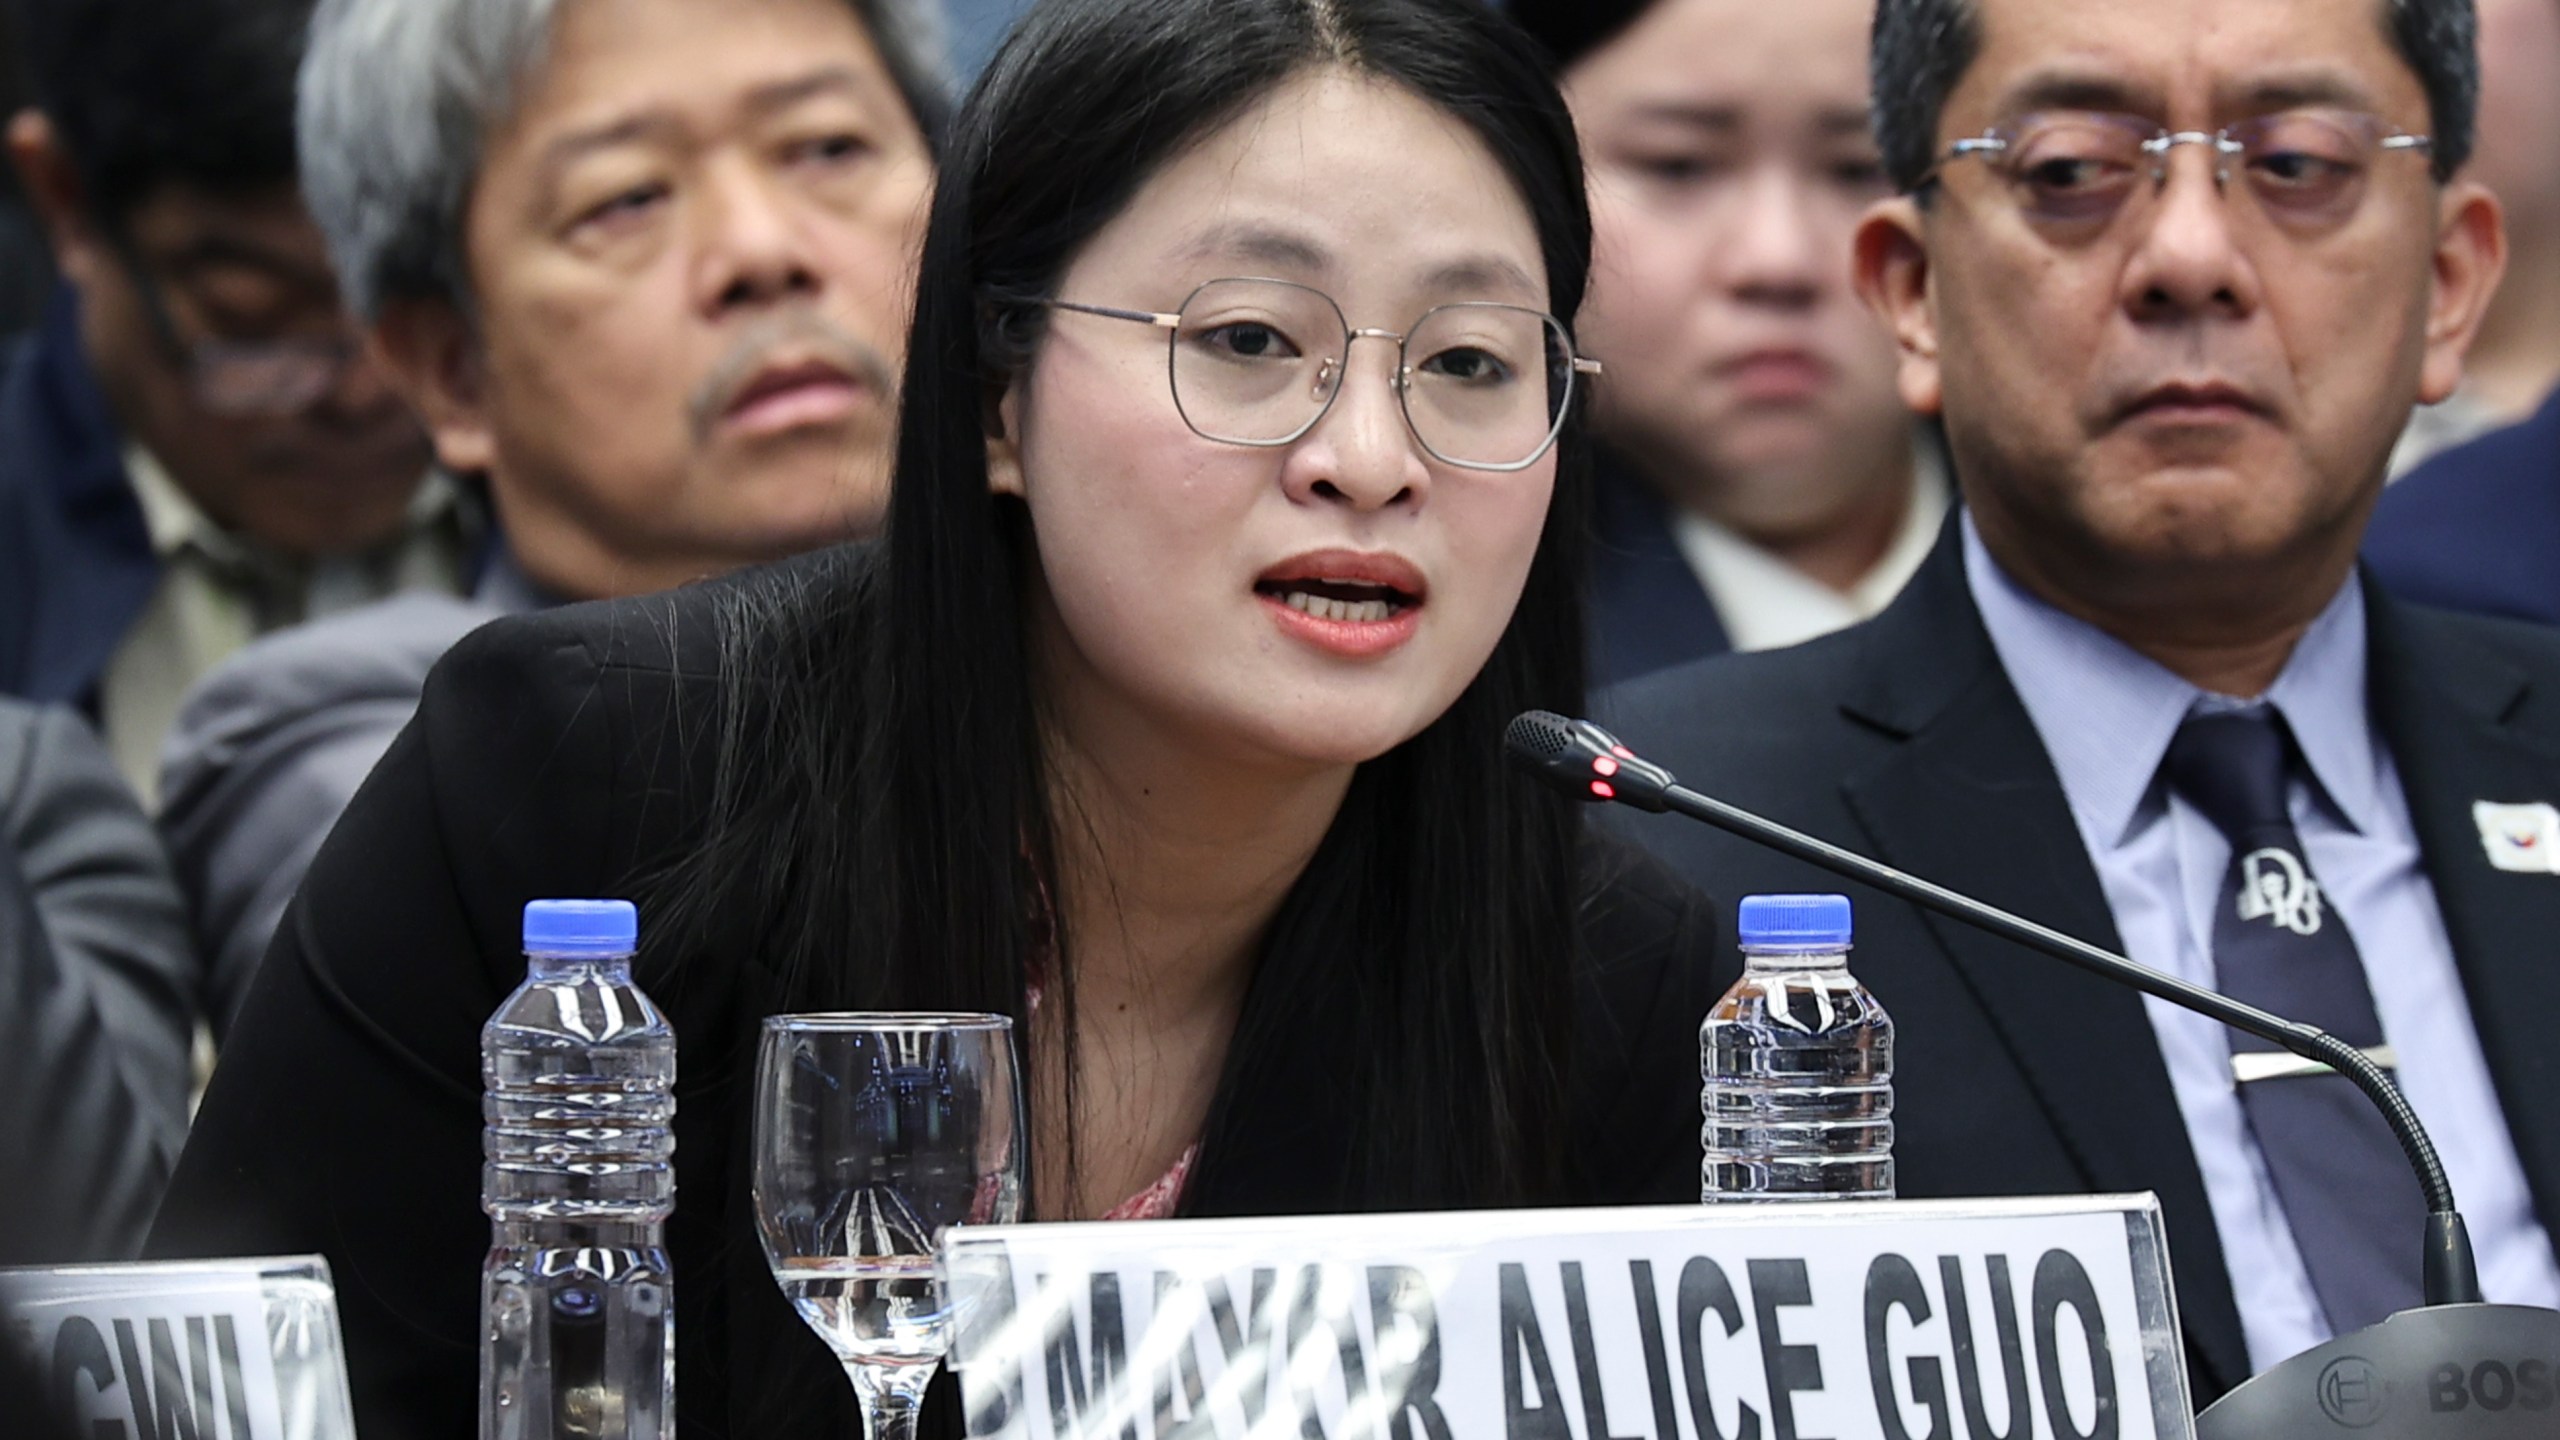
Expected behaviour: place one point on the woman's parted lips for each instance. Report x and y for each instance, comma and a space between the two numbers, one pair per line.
1400, 579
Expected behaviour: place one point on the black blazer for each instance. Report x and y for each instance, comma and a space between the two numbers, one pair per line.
2018, 1075
568, 753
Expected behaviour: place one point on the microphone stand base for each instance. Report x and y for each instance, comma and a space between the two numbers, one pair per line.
2447, 1372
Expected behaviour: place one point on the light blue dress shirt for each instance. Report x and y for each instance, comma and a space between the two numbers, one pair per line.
2106, 715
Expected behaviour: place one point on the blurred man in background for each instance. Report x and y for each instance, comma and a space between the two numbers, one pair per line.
2517, 359
193, 448
2477, 527
654, 287
1761, 482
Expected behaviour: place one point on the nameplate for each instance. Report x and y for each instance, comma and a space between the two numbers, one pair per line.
196, 1350
1696, 1323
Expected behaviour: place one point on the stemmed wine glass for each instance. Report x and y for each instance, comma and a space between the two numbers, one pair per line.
874, 1131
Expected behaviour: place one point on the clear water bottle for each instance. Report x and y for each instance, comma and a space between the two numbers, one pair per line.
576, 1301
1798, 1064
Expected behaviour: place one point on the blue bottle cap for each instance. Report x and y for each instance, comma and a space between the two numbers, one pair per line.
1794, 922
581, 927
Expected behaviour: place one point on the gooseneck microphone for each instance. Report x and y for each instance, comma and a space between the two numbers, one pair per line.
1590, 764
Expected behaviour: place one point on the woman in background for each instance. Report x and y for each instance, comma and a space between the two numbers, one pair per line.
1760, 481
1167, 719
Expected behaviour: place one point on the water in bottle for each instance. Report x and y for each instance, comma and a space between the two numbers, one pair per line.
577, 1304
1798, 1064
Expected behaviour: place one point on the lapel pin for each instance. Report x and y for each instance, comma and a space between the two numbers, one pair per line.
2520, 838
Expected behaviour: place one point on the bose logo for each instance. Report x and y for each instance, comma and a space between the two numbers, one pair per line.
2491, 1385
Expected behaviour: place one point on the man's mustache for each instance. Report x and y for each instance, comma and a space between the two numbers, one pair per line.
800, 334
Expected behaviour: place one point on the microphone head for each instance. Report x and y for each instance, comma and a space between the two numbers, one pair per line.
1584, 761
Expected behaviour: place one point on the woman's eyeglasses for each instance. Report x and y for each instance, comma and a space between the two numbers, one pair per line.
1484, 386
2306, 168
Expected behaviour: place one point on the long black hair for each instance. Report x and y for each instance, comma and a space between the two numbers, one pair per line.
882, 807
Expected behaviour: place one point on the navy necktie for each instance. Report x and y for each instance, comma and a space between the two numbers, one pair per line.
2355, 1210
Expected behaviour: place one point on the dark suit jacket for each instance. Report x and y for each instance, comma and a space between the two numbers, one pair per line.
567, 754
2477, 527
2018, 1075
76, 566
1648, 611
269, 748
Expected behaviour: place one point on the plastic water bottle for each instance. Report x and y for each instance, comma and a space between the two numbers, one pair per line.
1798, 1063
576, 1301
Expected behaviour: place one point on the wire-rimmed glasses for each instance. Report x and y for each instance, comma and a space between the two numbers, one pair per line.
2305, 167
263, 379
873, 1132
1483, 385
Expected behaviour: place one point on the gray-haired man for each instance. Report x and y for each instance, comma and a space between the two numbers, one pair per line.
652, 285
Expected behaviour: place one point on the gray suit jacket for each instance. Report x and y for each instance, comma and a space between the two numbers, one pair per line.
268, 750
97, 999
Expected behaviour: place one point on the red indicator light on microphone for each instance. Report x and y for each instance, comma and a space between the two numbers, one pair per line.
1603, 765
1601, 788
1622, 752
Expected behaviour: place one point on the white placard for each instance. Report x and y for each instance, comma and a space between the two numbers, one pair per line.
181, 1351
1897, 1321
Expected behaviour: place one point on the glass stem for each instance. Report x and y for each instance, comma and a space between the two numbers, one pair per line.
892, 1396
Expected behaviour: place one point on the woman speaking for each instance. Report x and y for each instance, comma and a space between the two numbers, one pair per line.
1238, 507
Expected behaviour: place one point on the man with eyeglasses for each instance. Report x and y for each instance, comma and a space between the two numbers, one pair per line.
2173, 274
193, 449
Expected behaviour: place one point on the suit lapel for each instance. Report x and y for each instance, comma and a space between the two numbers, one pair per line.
1971, 801
2462, 726
1648, 611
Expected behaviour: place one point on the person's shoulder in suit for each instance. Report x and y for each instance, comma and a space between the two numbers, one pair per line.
266, 752
1762, 729
281, 682
2440, 644
2475, 528
1784, 732
579, 743
564, 753
97, 984
1741, 712
572, 657
1648, 611
674, 632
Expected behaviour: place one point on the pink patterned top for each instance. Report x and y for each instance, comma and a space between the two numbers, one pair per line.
1157, 1201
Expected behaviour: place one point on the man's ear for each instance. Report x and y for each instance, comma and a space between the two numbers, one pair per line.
1004, 442
432, 355
2471, 254
52, 185
1889, 260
